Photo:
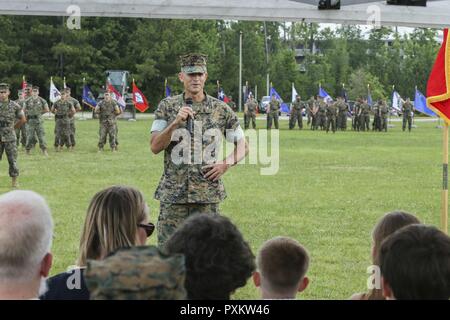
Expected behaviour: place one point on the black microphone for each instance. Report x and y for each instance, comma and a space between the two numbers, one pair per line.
189, 122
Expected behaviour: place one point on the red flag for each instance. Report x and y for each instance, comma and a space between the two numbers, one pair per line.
117, 96
438, 87
24, 84
139, 100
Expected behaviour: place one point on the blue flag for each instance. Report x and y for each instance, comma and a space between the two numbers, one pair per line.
88, 98
420, 104
322, 93
284, 106
168, 91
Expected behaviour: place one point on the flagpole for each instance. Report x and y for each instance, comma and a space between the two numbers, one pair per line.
165, 86
82, 100
444, 197
218, 89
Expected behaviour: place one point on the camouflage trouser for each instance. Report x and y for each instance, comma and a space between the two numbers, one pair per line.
321, 121
247, 117
331, 121
172, 215
21, 134
72, 131
409, 120
342, 117
296, 116
62, 133
309, 116
376, 124
383, 123
10, 148
35, 128
107, 128
365, 122
272, 115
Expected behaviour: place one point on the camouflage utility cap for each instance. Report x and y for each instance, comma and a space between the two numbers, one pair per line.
4, 86
193, 63
137, 273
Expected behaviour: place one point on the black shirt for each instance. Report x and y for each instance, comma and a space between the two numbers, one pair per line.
67, 286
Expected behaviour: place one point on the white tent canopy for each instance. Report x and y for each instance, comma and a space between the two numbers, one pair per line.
436, 14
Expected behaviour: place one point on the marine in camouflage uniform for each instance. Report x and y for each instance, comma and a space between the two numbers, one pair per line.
108, 110
384, 111
137, 273
332, 111
321, 115
273, 112
21, 133
11, 117
309, 110
77, 106
342, 114
364, 116
296, 113
356, 115
376, 124
192, 185
35, 107
407, 110
231, 103
63, 109
250, 112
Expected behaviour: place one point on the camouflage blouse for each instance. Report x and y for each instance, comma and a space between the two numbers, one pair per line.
9, 113
183, 182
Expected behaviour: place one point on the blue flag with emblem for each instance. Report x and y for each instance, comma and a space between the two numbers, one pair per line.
88, 98
420, 104
326, 97
168, 91
369, 99
284, 106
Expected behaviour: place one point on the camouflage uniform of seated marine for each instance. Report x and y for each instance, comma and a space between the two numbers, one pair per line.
11, 115
183, 189
137, 273
35, 107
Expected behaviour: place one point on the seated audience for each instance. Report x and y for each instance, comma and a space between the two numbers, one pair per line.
26, 231
415, 264
218, 259
282, 264
138, 273
117, 217
387, 225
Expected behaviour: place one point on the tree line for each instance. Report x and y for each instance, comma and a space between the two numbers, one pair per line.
43, 47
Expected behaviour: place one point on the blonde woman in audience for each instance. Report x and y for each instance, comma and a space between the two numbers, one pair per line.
117, 217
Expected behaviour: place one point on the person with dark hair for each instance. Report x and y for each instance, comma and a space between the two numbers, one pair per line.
386, 226
415, 264
218, 259
282, 265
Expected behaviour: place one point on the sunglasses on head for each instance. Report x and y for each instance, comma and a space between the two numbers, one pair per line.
148, 227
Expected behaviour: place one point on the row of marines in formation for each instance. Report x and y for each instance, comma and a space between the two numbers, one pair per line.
21, 121
329, 115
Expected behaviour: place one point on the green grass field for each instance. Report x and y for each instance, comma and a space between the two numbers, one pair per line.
329, 192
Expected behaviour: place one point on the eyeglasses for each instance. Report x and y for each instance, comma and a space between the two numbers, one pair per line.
148, 227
